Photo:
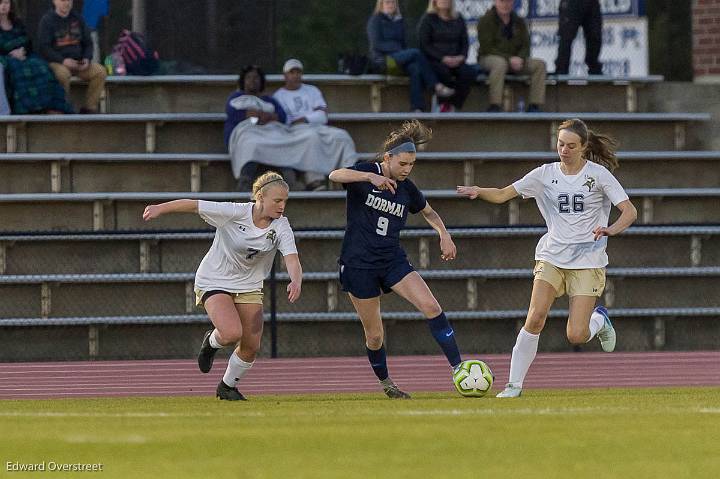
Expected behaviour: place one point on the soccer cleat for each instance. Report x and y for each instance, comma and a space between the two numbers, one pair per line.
392, 391
226, 393
510, 391
606, 335
443, 91
206, 356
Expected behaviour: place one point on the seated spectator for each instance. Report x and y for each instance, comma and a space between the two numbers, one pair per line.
31, 86
246, 103
306, 111
258, 138
444, 41
4, 105
66, 44
505, 47
386, 36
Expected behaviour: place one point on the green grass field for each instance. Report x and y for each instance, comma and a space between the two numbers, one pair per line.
600, 433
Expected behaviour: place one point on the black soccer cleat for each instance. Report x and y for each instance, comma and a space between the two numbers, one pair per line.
226, 393
392, 391
206, 356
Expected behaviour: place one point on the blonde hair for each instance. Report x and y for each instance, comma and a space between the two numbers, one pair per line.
267, 180
410, 131
432, 8
600, 148
379, 7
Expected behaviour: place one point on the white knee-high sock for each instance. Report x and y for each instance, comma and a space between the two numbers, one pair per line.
522, 356
236, 369
214, 340
597, 321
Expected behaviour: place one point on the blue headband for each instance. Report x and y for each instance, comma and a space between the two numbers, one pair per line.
407, 147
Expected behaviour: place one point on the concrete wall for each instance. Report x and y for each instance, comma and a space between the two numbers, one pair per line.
689, 97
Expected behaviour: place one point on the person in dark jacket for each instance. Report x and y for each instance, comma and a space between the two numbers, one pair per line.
251, 82
65, 43
389, 54
31, 84
572, 15
444, 41
505, 47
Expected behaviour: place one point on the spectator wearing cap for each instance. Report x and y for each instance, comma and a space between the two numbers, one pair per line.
263, 113
303, 103
306, 108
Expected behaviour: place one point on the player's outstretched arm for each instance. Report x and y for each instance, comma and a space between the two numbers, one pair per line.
292, 263
175, 206
628, 215
346, 175
492, 195
448, 251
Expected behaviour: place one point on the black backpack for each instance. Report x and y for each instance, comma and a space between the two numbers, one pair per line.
352, 64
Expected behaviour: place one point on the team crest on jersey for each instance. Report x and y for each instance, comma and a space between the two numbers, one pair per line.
272, 236
589, 182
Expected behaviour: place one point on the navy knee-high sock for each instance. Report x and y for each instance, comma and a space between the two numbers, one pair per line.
378, 361
445, 337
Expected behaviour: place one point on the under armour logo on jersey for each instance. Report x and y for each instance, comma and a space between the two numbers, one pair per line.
554, 182
242, 227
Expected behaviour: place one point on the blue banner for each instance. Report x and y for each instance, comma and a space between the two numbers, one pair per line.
471, 10
610, 8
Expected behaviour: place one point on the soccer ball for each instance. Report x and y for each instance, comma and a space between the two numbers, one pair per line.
473, 378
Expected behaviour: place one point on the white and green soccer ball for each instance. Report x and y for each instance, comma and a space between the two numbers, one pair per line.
473, 378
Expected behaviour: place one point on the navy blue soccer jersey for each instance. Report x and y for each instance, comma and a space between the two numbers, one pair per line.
375, 218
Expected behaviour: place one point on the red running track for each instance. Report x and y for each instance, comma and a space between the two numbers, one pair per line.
349, 374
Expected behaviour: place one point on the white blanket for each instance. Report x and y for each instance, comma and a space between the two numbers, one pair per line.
309, 148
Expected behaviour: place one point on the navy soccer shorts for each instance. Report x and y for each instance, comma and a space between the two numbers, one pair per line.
371, 283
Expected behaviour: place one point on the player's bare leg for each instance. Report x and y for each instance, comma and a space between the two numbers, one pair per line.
369, 312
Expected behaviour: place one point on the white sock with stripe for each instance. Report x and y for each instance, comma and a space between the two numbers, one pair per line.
236, 369
597, 321
522, 356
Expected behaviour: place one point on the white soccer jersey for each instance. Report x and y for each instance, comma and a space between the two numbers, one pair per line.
241, 254
301, 102
572, 205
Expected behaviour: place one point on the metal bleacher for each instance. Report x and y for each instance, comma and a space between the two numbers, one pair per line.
99, 211
207, 172
197, 132
75, 253
365, 93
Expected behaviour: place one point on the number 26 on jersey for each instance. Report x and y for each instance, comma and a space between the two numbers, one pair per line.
568, 204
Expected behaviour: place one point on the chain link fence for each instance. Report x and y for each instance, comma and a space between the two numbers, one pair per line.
131, 295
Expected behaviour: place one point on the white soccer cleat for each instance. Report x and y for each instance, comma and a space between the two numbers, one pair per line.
606, 335
510, 391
